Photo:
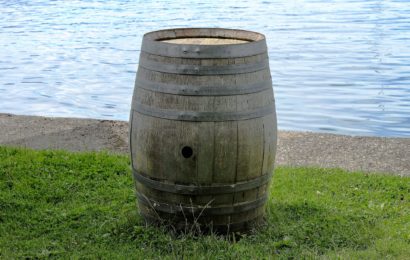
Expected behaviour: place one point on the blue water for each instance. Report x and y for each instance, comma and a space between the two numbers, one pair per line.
338, 66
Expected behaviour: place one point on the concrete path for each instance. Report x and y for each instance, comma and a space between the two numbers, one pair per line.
373, 154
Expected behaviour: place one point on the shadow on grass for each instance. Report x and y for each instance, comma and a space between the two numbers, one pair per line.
306, 225
289, 229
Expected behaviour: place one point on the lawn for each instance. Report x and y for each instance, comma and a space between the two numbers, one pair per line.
82, 205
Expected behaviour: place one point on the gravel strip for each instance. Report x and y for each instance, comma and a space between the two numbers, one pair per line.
369, 154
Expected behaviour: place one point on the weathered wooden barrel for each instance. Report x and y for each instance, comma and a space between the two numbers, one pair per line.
203, 128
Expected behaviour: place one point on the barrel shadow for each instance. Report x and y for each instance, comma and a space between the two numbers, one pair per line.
288, 228
307, 225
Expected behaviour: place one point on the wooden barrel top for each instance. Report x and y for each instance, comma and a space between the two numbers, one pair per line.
205, 41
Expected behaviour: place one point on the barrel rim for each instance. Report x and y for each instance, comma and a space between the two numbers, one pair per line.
151, 43
149, 35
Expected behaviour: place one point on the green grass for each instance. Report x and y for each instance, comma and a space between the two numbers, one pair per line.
72, 205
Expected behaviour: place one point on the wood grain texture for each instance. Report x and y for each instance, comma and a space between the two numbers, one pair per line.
205, 41
220, 152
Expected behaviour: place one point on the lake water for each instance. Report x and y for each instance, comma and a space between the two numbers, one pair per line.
338, 66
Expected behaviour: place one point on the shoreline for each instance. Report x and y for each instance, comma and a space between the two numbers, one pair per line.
369, 154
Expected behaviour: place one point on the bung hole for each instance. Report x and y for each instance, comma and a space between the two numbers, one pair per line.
187, 152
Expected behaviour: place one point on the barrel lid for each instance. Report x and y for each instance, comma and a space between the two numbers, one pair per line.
239, 43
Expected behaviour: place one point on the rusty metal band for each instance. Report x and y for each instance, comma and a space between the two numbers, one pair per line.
203, 51
202, 116
195, 90
206, 210
201, 190
189, 69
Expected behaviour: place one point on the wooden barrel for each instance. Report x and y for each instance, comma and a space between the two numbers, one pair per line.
203, 128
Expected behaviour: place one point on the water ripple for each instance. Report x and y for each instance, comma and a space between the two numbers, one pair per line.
339, 66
